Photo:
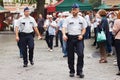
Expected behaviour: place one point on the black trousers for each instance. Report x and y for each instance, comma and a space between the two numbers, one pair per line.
27, 43
75, 45
41, 30
95, 32
117, 47
49, 40
60, 36
88, 32
56, 39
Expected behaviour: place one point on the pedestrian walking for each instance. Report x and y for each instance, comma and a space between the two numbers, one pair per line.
25, 28
103, 26
97, 21
88, 29
18, 42
40, 25
75, 26
58, 33
50, 26
64, 47
116, 31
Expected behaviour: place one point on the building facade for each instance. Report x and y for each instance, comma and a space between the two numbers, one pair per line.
111, 2
50, 1
14, 1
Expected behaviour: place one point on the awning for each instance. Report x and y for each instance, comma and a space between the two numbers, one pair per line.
66, 5
104, 6
118, 6
2, 9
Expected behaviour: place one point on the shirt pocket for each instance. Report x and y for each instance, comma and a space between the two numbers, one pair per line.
31, 23
22, 23
71, 23
22, 26
81, 25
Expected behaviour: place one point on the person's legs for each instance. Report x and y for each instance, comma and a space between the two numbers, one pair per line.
70, 48
87, 33
31, 47
109, 44
19, 46
64, 48
80, 53
103, 52
61, 37
47, 39
56, 39
117, 47
95, 37
51, 41
24, 49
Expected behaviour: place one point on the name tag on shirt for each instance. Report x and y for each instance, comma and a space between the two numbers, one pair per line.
71, 23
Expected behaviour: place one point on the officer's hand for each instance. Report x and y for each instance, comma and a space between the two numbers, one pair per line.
39, 37
80, 37
17, 39
65, 37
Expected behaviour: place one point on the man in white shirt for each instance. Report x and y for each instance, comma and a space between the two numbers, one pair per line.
24, 29
75, 26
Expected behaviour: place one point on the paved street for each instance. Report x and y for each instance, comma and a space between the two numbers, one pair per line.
50, 65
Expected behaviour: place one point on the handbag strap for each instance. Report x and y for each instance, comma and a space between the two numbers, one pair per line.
117, 32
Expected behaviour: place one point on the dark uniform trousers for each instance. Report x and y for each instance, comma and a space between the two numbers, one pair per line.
75, 46
27, 42
49, 40
57, 37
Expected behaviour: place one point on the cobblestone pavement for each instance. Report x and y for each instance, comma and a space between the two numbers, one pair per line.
50, 65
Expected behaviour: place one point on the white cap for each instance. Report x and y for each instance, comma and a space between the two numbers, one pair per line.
66, 13
50, 16
59, 14
80, 13
21, 14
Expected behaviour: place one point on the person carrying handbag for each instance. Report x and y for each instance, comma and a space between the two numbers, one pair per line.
103, 28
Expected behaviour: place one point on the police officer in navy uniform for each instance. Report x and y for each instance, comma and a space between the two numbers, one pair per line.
25, 28
75, 25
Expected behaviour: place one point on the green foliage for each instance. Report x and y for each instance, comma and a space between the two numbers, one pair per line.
95, 3
23, 1
32, 1
1, 2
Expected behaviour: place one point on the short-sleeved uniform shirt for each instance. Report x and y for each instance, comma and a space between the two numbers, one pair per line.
74, 25
26, 24
51, 30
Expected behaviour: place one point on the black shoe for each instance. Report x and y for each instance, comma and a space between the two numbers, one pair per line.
71, 75
65, 56
32, 63
21, 56
118, 73
97, 47
56, 46
81, 75
25, 65
93, 44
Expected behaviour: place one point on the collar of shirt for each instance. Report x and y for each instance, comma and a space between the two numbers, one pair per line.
74, 17
26, 17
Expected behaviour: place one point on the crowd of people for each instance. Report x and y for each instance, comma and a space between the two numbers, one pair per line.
71, 28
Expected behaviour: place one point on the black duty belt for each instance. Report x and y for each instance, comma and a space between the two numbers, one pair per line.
25, 34
73, 36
